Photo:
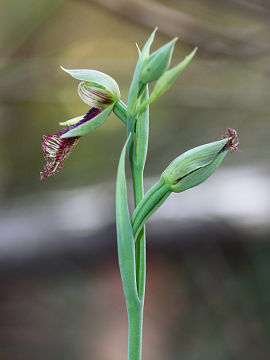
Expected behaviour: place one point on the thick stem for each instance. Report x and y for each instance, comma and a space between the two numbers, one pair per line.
135, 323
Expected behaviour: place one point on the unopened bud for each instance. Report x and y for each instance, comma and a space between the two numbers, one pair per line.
169, 76
157, 63
196, 165
188, 170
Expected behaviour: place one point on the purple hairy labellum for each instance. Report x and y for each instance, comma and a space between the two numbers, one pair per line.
56, 150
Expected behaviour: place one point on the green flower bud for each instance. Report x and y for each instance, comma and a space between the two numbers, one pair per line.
168, 78
188, 170
157, 63
196, 165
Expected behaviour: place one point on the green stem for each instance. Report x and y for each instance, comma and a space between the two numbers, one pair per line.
136, 319
135, 322
135, 314
120, 110
149, 204
146, 199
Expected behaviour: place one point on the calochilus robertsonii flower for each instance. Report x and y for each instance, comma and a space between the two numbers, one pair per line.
100, 92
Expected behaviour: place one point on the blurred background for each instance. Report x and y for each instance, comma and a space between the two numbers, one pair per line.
208, 294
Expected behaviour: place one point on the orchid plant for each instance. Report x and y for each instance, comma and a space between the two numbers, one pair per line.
102, 94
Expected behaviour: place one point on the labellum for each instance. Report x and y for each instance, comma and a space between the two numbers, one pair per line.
56, 149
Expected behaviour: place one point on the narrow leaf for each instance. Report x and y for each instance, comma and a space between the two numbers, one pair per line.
142, 133
125, 238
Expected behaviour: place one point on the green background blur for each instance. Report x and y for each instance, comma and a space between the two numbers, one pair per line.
208, 294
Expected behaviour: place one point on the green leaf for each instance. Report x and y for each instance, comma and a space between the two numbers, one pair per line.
96, 77
90, 125
125, 238
142, 133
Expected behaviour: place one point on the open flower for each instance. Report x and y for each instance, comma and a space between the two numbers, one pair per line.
99, 91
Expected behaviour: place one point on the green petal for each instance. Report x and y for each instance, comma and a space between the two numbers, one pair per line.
90, 125
94, 76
